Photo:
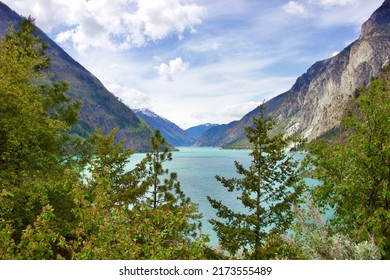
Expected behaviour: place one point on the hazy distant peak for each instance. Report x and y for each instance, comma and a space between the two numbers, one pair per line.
147, 112
170, 131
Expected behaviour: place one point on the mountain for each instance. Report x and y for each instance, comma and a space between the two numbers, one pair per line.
315, 103
100, 108
196, 131
214, 136
170, 131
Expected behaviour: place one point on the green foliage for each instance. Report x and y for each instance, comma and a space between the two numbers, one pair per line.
54, 205
316, 241
281, 247
37, 242
109, 161
356, 172
104, 225
40, 241
267, 189
35, 118
7, 244
35, 115
119, 233
112, 224
164, 188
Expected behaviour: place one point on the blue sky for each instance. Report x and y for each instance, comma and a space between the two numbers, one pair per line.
198, 61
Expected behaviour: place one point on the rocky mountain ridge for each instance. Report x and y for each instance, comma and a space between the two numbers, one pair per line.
315, 103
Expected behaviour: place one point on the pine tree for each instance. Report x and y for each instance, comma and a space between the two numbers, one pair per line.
109, 160
267, 189
164, 188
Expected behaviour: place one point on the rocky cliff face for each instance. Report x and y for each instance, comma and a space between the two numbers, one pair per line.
330, 84
316, 102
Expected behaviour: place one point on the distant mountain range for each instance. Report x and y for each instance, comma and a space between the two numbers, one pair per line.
212, 136
197, 131
100, 108
315, 103
170, 131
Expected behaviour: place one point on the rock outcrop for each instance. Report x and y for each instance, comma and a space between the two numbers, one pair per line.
314, 105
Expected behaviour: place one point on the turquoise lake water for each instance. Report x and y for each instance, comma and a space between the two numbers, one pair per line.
196, 168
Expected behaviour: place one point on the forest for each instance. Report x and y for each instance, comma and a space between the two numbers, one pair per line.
67, 197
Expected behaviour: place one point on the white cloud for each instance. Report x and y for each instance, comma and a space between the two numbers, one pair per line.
112, 23
295, 8
172, 69
156, 19
133, 98
237, 111
328, 13
204, 46
341, 12
330, 3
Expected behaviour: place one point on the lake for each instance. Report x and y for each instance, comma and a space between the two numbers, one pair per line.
196, 168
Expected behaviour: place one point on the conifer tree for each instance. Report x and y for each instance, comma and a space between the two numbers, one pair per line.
110, 161
267, 190
164, 188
